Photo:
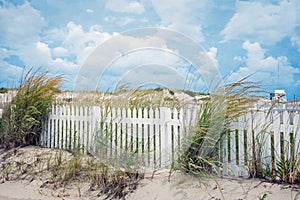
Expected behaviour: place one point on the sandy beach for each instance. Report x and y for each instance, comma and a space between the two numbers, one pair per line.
158, 187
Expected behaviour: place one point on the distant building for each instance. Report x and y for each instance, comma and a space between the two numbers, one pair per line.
278, 95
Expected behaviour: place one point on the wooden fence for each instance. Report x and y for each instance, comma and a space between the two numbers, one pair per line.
262, 135
155, 134
5, 99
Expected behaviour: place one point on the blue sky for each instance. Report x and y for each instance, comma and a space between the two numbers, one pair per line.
240, 37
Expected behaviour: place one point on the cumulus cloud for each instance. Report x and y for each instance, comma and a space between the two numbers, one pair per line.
265, 68
20, 28
76, 42
180, 16
125, 6
40, 54
262, 22
80, 42
74, 45
19, 25
59, 52
122, 53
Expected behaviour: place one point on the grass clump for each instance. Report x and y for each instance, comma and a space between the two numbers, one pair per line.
285, 167
281, 164
22, 119
199, 154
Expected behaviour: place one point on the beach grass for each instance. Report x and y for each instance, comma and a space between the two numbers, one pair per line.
23, 118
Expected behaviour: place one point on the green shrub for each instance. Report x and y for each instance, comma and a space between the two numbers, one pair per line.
23, 117
159, 89
3, 90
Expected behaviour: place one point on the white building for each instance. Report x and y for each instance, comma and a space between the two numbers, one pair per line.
278, 95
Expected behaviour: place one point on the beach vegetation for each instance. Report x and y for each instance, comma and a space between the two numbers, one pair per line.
23, 117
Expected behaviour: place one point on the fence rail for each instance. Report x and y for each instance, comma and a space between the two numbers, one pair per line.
262, 135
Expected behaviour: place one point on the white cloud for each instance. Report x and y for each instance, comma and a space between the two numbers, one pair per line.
265, 69
263, 22
212, 54
80, 42
74, 44
43, 52
153, 66
89, 11
144, 56
122, 21
35, 55
124, 59
59, 52
63, 65
125, 6
40, 55
296, 41
159, 74
19, 25
5, 53
183, 16
10, 75
164, 54
238, 58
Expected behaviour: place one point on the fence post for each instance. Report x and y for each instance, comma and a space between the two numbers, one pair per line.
166, 135
241, 147
64, 130
225, 154
72, 128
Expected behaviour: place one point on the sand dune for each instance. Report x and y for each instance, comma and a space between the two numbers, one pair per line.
158, 187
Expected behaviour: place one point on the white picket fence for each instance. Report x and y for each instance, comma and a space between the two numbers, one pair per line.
264, 135
156, 133
5, 99
152, 133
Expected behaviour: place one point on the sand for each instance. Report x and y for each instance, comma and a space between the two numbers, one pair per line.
158, 187
182, 187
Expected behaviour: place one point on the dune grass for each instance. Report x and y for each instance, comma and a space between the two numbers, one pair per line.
23, 117
199, 154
